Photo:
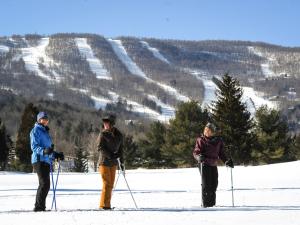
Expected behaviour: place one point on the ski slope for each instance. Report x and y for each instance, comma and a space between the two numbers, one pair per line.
4, 49
155, 52
35, 55
265, 67
95, 64
134, 69
262, 195
252, 98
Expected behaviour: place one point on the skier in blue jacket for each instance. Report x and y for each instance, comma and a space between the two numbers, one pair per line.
42, 155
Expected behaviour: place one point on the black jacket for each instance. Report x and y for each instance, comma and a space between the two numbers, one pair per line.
110, 147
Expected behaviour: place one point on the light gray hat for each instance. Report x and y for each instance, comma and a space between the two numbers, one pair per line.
211, 126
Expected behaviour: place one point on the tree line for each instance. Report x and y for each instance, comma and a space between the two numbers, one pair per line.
262, 139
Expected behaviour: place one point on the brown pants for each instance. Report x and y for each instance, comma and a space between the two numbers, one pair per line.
108, 179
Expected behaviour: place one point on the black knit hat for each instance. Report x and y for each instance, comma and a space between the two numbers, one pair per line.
110, 118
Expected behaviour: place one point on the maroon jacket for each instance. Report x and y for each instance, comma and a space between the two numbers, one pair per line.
211, 148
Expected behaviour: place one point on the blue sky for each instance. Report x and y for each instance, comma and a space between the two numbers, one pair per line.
272, 21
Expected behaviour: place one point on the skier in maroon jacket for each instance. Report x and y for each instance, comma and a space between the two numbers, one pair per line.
208, 150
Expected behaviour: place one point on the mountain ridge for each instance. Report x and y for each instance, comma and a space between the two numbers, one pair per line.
153, 75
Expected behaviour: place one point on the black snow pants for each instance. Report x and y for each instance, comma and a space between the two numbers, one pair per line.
43, 171
209, 185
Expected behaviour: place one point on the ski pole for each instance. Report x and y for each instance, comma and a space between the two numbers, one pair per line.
54, 190
232, 188
123, 173
52, 181
200, 170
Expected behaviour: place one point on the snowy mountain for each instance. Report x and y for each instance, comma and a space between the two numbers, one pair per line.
262, 195
151, 75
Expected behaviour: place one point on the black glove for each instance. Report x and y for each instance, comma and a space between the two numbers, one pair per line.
116, 155
229, 163
59, 155
122, 167
48, 151
202, 158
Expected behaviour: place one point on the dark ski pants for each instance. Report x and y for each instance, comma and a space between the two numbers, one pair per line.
43, 171
209, 185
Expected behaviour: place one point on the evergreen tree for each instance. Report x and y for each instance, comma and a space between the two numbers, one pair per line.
150, 148
3, 146
232, 118
274, 143
130, 150
81, 158
23, 149
180, 137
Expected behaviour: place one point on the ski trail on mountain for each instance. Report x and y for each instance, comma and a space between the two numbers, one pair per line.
133, 68
95, 64
155, 52
265, 67
252, 98
35, 57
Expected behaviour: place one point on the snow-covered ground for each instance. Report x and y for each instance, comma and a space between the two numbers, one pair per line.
134, 69
95, 64
4, 49
262, 195
35, 55
168, 112
155, 52
126, 60
265, 67
255, 99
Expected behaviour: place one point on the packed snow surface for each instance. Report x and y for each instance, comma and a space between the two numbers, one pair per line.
263, 195
95, 64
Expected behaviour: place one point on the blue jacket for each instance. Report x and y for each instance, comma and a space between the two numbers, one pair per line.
39, 140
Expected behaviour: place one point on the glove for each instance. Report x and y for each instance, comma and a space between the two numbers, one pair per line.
122, 167
229, 163
116, 155
202, 158
59, 155
48, 151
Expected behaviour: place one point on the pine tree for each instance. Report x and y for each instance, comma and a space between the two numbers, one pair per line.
232, 118
130, 150
3, 146
274, 143
81, 158
180, 137
150, 148
23, 150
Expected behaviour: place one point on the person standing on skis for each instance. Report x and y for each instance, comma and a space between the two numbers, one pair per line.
208, 150
41, 158
110, 149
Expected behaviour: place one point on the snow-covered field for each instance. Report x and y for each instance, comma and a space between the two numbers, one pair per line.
262, 195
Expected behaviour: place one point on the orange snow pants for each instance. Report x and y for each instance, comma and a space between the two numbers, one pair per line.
108, 174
